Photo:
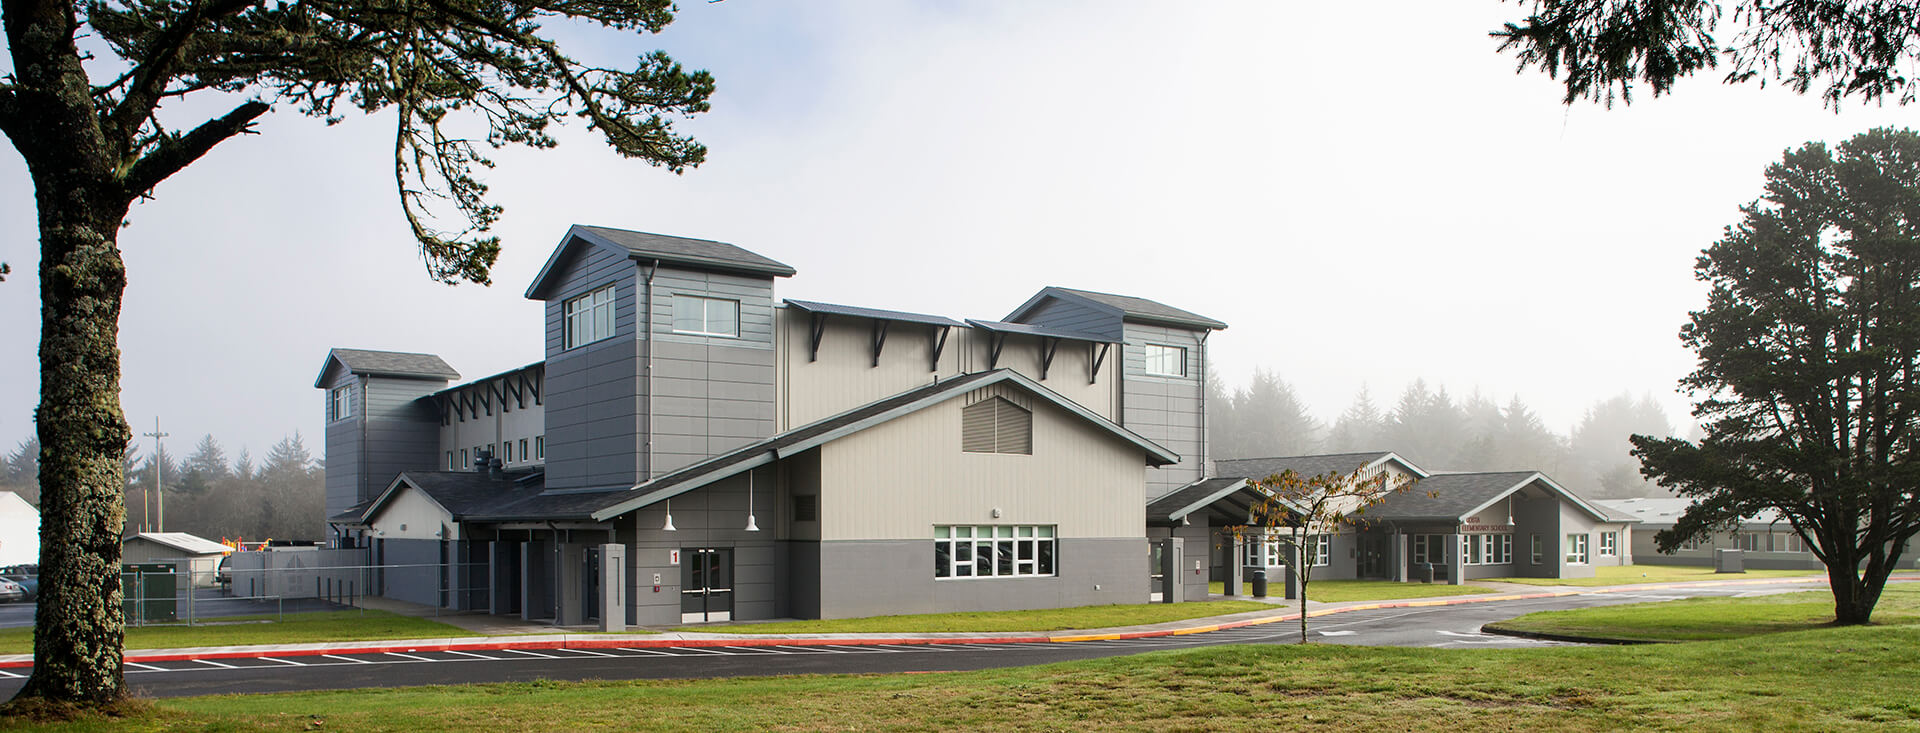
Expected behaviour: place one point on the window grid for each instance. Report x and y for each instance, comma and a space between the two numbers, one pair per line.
700, 316
1577, 549
1609, 544
340, 403
993, 551
589, 318
1166, 361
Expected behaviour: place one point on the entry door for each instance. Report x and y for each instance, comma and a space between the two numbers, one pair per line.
590, 585
1156, 563
706, 584
1372, 558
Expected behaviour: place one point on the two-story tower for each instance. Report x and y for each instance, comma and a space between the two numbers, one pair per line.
377, 425
1163, 369
659, 354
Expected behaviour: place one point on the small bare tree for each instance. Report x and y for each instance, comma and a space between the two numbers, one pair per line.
1303, 507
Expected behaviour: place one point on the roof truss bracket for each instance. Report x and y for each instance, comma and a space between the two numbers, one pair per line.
999, 339
879, 339
1048, 347
533, 384
817, 330
1098, 354
939, 337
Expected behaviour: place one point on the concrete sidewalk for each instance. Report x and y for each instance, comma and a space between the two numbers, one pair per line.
495, 633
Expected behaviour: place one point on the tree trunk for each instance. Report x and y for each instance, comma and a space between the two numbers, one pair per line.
1853, 596
83, 436
52, 121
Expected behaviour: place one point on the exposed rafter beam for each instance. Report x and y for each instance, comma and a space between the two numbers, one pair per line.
939, 337
818, 330
879, 339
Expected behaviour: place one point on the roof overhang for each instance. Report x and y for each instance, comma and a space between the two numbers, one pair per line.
1553, 487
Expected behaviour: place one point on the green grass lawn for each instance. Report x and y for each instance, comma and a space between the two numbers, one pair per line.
1824, 679
297, 628
1626, 574
1047, 619
1342, 591
1695, 619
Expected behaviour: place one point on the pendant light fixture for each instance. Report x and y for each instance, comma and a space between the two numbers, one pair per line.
751, 526
669, 527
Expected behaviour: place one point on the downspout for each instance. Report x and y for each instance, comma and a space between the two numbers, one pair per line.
1206, 469
646, 330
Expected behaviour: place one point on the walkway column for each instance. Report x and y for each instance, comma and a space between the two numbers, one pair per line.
1294, 556
1235, 568
613, 587
1399, 558
1456, 559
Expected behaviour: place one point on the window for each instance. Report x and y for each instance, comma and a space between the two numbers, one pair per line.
966, 551
589, 318
1577, 549
806, 508
706, 316
1166, 361
450, 464
1698, 543
1486, 549
995, 425
1430, 548
1319, 549
1788, 543
1753, 541
463, 460
539, 447
523, 450
1539, 548
506, 451
339, 403
1609, 544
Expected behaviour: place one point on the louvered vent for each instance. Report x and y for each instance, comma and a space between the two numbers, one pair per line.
995, 425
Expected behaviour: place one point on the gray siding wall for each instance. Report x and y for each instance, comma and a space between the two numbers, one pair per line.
594, 402
1165, 410
878, 577
391, 430
412, 571
713, 393
1056, 313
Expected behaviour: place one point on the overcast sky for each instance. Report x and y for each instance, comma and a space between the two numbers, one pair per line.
1366, 192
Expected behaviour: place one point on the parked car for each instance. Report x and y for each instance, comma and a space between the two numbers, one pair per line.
11, 592
29, 582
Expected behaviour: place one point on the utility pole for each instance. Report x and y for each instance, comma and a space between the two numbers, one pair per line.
159, 496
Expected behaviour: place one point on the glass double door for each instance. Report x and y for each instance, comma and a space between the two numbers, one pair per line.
706, 584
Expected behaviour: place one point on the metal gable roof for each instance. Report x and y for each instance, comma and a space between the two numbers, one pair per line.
1309, 466
1130, 308
386, 364
1455, 496
683, 251
1042, 331
184, 542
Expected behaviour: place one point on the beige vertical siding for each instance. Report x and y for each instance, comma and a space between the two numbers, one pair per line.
421, 517
899, 479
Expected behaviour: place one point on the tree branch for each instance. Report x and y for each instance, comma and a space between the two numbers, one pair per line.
150, 77
173, 154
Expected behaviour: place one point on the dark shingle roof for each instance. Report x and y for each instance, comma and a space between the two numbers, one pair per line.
387, 364
1304, 466
1029, 329
1235, 503
1447, 496
1141, 309
687, 251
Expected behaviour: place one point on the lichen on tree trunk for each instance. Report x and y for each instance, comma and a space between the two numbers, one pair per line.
83, 436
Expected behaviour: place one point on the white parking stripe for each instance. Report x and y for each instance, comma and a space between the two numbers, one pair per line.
284, 661
530, 654
10, 675
475, 656
410, 656
704, 650
222, 665
346, 659
147, 667
587, 651
649, 651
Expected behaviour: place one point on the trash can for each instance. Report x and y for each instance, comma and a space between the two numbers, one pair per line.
1259, 576
1426, 572
149, 592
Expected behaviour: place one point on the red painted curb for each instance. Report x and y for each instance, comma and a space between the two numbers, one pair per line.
507, 643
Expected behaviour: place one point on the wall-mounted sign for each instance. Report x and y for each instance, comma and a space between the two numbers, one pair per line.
673, 558
1472, 528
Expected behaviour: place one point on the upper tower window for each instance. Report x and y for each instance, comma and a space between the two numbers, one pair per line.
1166, 361
340, 403
590, 317
706, 316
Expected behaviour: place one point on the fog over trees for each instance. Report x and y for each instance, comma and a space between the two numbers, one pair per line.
1441, 432
206, 493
